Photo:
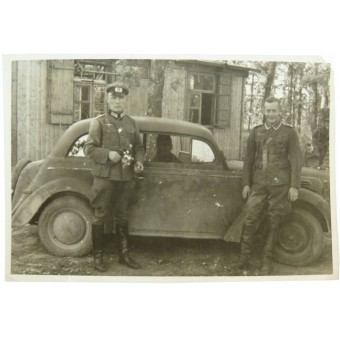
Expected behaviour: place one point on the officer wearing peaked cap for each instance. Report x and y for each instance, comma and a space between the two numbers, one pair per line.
117, 87
115, 147
271, 178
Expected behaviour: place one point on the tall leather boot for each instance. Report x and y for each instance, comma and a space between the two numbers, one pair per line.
246, 245
97, 243
269, 244
123, 251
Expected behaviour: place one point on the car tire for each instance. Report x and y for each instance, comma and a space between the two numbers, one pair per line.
16, 171
300, 239
65, 226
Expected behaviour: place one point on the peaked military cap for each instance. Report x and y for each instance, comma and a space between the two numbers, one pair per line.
117, 87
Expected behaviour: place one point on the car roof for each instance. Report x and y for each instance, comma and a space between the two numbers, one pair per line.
145, 124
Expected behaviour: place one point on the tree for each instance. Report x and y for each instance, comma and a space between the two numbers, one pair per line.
270, 80
156, 87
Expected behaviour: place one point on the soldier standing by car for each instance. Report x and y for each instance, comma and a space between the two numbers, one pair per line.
271, 178
115, 147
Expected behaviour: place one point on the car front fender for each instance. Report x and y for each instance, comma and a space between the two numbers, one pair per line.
319, 205
30, 204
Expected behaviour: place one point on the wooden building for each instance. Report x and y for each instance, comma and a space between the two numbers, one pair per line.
50, 95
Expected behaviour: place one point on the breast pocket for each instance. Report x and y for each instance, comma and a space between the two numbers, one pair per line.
280, 143
110, 137
128, 137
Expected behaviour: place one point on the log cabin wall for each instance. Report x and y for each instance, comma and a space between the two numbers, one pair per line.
30, 111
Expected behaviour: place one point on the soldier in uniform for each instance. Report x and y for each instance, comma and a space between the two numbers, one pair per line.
112, 144
271, 178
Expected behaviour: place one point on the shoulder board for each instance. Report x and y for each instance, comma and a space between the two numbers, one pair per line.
258, 126
286, 124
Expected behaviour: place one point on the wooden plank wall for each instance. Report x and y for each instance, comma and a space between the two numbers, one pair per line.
228, 138
137, 100
35, 138
60, 91
174, 94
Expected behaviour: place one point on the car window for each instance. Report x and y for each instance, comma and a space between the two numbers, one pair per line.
77, 148
201, 152
176, 149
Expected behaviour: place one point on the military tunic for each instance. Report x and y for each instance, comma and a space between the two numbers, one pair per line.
106, 134
272, 165
111, 185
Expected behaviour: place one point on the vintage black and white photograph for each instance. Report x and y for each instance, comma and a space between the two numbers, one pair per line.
171, 168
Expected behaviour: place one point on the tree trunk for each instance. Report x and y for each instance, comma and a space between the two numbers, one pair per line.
251, 102
290, 92
156, 88
299, 111
315, 104
270, 80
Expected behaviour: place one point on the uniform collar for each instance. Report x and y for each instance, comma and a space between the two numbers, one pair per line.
115, 115
275, 127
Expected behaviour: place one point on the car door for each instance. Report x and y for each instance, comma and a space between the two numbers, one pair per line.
196, 197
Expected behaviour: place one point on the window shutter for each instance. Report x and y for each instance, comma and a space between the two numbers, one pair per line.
223, 100
60, 91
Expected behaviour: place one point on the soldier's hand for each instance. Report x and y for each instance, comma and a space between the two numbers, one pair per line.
246, 192
114, 156
139, 167
293, 194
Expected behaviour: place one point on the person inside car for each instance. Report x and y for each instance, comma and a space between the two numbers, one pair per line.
164, 146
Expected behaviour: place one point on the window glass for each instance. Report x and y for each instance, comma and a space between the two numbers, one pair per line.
195, 100
194, 115
201, 152
77, 148
202, 98
201, 82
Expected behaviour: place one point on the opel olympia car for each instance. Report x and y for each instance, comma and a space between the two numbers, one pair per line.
198, 197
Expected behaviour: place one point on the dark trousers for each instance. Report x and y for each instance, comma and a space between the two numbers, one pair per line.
108, 194
270, 202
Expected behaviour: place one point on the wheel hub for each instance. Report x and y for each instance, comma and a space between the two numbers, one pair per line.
293, 237
68, 227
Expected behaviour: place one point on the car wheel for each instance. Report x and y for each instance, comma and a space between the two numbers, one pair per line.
65, 226
300, 239
16, 173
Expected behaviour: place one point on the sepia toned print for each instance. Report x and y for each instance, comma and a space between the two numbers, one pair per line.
186, 208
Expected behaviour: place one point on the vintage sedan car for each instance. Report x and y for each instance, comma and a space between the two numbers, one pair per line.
198, 197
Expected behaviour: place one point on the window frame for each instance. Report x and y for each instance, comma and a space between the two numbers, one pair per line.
193, 91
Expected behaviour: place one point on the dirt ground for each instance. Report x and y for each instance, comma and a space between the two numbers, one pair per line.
158, 257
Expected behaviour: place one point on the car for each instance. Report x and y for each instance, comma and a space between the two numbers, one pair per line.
197, 197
